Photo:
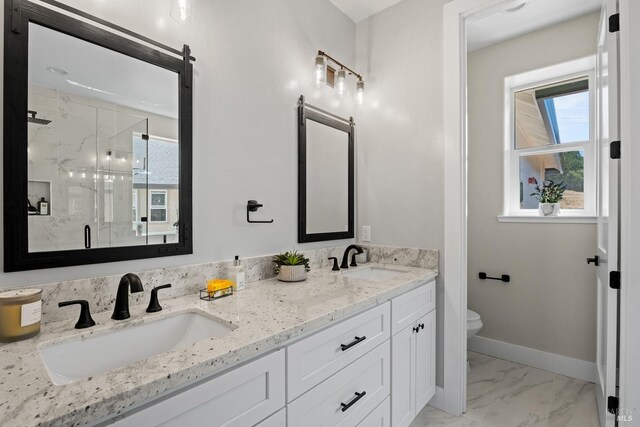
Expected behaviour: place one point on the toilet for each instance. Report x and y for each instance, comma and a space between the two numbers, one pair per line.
474, 324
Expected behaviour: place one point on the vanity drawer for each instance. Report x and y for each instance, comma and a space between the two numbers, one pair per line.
380, 417
242, 397
324, 405
407, 308
314, 359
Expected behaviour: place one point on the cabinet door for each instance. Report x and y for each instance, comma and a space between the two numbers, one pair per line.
403, 377
425, 376
241, 397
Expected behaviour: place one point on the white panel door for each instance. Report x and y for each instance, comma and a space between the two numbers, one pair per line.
607, 259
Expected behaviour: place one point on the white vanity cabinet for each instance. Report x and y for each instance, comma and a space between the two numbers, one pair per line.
376, 368
413, 357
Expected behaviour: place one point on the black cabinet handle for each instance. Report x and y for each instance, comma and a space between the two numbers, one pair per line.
87, 237
359, 396
595, 260
416, 329
421, 326
356, 341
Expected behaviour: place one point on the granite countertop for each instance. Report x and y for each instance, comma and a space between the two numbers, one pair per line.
265, 316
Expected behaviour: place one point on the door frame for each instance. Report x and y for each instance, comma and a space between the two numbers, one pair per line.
629, 371
455, 14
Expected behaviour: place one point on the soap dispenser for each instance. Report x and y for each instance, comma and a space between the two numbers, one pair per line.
236, 274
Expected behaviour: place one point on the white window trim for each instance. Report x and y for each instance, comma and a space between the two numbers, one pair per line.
584, 67
165, 207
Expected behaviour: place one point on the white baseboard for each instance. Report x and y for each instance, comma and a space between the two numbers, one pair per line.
437, 401
563, 365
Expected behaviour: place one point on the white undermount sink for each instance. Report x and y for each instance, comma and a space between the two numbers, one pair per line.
74, 360
374, 274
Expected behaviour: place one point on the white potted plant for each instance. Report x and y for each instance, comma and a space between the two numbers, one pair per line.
291, 266
549, 197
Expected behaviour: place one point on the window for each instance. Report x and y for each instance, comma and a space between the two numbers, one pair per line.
549, 137
158, 205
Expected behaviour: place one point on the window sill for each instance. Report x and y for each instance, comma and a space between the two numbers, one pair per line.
561, 219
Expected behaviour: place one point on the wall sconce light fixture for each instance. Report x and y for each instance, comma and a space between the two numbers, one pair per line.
340, 80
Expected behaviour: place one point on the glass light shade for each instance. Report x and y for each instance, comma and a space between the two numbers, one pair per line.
359, 92
320, 71
341, 82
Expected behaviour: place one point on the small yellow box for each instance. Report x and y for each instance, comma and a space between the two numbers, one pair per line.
217, 288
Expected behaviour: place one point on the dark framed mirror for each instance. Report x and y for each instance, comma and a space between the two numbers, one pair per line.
326, 169
97, 143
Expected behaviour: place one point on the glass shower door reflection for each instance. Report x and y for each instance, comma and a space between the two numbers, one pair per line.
123, 185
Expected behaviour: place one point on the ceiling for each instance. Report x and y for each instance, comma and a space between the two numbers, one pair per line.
499, 25
99, 73
358, 10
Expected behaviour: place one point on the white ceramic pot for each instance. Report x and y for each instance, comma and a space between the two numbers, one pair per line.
292, 273
549, 209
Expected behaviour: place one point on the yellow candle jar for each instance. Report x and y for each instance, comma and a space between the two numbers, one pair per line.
20, 314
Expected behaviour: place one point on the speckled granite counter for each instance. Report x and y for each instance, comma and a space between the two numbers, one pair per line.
267, 314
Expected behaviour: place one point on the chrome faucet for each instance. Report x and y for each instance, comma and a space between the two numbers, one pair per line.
121, 310
345, 257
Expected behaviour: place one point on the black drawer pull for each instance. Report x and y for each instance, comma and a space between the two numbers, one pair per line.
356, 341
421, 325
416, 329
359, 396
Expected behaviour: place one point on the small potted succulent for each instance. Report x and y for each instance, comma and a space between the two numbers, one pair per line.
291, 266
549, 197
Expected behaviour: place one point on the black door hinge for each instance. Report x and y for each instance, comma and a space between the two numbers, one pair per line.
613, 404
614, 23
614, 279
614, 149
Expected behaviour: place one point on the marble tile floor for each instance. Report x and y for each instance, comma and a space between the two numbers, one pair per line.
506, 394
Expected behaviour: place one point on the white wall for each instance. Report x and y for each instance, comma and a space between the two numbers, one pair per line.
254, 59
400, 127
550, 304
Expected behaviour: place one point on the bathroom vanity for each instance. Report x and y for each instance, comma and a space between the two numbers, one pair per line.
340, 349
335, 377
